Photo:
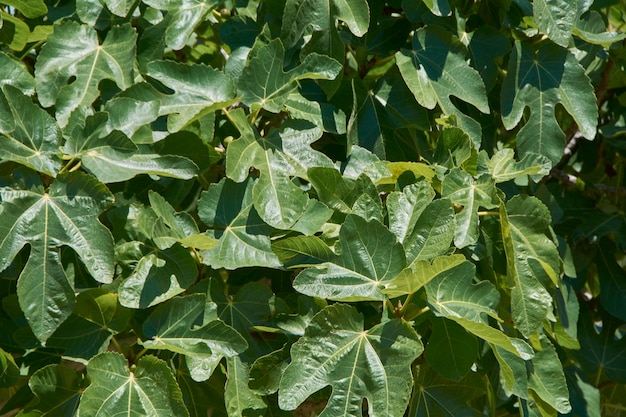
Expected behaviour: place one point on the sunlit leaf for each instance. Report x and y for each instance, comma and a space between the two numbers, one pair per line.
67, 214
335, 350
150, 389
369, 257
73, 50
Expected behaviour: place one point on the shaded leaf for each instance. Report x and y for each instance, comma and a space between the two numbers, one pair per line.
335, 350
9, 372
150, 389
591, 28
370, 256
65, 215
14, 73
612, 279
451, 350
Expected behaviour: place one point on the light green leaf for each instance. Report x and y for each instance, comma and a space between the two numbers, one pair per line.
199, 241
198, 90
420, 273
532, 260
321, 17
128, 115
591, 28
336, 350
29, 8
324, 115
13, 31
112, 157
158, 275
496, 337
436, 68
460, 187
73, 50
171, 226
14, 73
513, 373
65, 215
9, 372
240, 400
369, 257
451, 350
227, 209
419, 169
540, 79
28, 135
503, 167
184, 16
547, 379
96, 317
556, 18
150, 389
58, 389
179, 326
263, 82
379, 113
432, 234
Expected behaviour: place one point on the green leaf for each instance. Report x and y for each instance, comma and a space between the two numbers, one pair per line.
451, 350
112, 157
184, 16
157, 276
29, 8
324, 115
30, 137
546, 378
532, 260
13, 31
432, 234
436, 7
279, 202
14, 73
263, 82
336, 350
420, 273
556, 18
65, 215
302, 251
339, 192
227, 209
460, 187
96, 317
405, 207
503, 167
150, 389
452, 293
171, 226
179, 326
58, 389
322, 17
369, 257
435, 69
9, 372
198, 90
267, 371
240, 400
540, 79
591, 28
73, 50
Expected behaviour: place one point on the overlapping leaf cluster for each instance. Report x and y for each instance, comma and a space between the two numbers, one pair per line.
334, 208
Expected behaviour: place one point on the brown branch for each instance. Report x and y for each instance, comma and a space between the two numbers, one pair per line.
574, 182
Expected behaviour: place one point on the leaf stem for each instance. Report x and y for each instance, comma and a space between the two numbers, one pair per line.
67, 166
488, 213
76, 167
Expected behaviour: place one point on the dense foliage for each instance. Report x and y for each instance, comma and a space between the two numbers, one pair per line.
344, 208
